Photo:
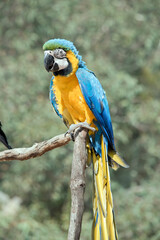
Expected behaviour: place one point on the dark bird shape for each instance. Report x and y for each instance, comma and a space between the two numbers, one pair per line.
3, 138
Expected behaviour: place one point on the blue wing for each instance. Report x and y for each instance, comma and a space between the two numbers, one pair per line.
96, 99
53, 98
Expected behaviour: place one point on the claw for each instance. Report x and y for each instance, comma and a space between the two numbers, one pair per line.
73, 127
72, 136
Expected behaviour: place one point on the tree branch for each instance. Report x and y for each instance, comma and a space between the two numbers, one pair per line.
77, 184
36, 150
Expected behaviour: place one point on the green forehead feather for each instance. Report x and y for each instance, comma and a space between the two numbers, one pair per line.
52, 44
59, 43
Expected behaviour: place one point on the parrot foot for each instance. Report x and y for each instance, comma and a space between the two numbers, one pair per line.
73, 127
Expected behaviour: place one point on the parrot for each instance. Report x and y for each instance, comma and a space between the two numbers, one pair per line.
3, 138
78, 99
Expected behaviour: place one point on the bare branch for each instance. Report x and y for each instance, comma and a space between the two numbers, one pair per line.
77, 184
36, 150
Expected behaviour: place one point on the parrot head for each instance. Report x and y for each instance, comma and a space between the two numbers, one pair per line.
61, 57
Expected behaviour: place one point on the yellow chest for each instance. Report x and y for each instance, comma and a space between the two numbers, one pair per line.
70, 98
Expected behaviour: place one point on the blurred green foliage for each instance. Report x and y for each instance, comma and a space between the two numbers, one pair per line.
119, 40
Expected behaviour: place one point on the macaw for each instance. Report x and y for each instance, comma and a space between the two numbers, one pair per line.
3, 138
78, 98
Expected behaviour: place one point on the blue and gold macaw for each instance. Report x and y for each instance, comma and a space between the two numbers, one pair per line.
78, 97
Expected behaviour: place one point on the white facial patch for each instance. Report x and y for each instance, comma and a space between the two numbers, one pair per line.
62, 63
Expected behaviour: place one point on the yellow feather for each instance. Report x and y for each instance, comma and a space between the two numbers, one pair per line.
103, 157
98, 171
109, 194
110, 215
114, 166
104, 229
110, 224
67, 117
117, 159
96, 223
95, 229
89, 153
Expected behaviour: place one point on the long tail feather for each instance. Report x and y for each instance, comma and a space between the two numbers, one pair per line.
104, 223
98, 171
110, 211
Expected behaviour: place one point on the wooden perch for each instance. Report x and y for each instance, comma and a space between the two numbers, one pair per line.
36, 150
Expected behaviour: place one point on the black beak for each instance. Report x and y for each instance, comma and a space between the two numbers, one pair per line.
50, 64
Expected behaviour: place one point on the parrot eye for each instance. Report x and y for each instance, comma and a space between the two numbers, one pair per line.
59, 53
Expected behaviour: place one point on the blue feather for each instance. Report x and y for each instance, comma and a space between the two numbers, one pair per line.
53, 98
96, 99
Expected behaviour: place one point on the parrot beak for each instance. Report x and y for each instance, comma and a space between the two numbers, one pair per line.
49, 63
